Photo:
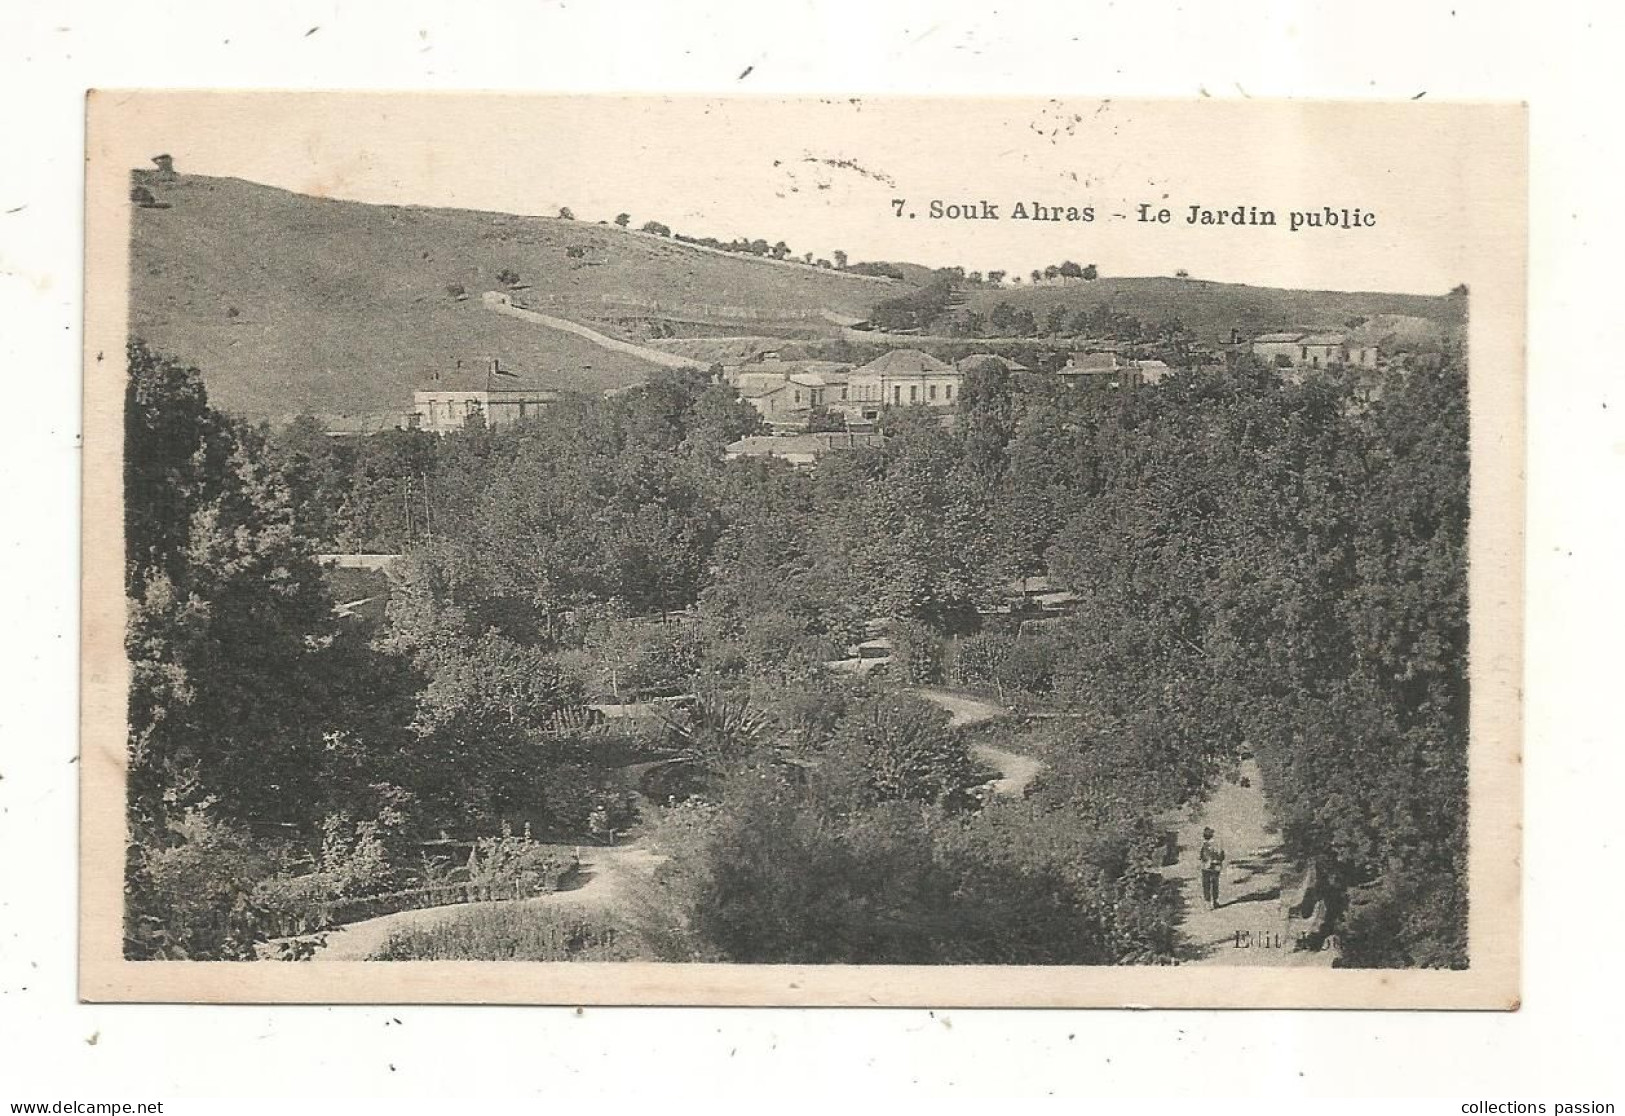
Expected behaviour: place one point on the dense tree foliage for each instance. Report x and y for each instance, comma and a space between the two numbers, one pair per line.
1285, 570
919, 308
797, 871
1257, 566
231, 639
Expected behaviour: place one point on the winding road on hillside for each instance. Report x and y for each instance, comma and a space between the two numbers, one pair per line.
1251, 926
1015, 770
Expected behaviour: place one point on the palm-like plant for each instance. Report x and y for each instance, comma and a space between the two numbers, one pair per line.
715, 731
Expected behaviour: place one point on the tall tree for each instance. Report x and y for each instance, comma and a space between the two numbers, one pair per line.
230, 625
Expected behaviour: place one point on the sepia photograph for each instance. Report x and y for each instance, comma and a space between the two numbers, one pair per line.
661, 550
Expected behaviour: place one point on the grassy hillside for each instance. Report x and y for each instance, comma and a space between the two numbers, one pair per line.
290, 303
1211, 310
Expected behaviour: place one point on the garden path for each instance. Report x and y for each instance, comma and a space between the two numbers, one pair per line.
1251, 925
606, 871
1015, 770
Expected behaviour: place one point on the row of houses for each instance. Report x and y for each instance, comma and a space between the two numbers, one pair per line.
787, 393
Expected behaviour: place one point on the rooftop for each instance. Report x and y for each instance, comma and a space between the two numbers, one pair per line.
904, 362
1079, 363
791, 367
967, 363
763, 445
816, 379
483, 375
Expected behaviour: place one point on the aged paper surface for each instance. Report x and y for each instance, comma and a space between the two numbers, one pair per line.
1221, 229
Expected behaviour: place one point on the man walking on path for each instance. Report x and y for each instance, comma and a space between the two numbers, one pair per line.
1211, 859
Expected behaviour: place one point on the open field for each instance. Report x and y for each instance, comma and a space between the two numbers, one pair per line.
294, 303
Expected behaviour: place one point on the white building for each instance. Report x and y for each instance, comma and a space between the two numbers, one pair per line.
501, 397
1315, 350
902, 378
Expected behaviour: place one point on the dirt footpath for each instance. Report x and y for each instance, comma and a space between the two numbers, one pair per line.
607, 872
1015, 770
1250, 925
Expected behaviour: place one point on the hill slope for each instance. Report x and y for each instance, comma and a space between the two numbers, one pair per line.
1212, 310
290, 303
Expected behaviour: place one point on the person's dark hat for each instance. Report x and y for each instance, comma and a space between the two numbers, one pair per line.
1208, 832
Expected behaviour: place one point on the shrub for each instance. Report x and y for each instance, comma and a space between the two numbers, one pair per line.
885, 270
1407, 921
510, 933
193, 900
355, 862
904, 749
571, 792
918, 652
1035, 887
808, 710
780, 873
628, 660
1030, 667
774, 877
717, 731
354, 856
517, 861
981, 660
914, 310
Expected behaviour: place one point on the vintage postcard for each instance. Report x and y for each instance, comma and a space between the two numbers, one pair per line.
639, 550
